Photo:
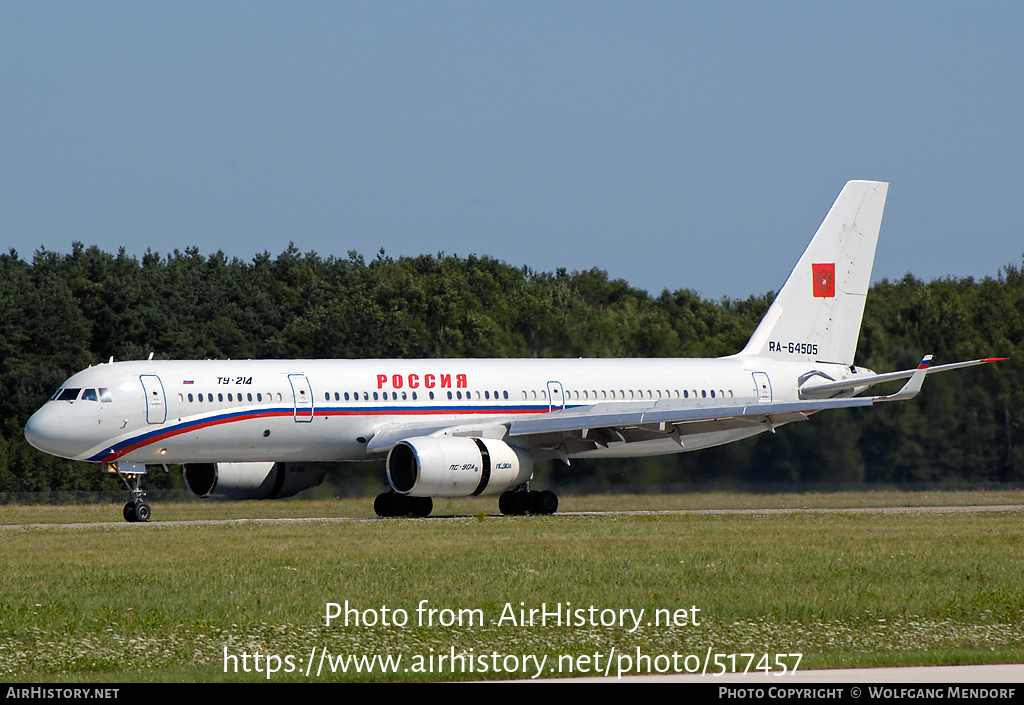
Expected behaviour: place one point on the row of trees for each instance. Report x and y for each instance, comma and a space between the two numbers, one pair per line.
64, 312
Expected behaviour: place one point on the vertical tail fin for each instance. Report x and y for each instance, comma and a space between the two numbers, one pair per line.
816, 316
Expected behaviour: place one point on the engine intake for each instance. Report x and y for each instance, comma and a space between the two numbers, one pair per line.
456, 467
251, 480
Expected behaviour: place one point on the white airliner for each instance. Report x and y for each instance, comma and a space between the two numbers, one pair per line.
454, 428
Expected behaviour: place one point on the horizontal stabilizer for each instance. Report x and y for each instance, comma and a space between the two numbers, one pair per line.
820, 391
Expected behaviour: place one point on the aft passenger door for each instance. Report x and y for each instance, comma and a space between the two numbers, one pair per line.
156, 408
763, 385
303, 396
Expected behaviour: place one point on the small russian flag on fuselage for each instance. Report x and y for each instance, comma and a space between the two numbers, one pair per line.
187, 381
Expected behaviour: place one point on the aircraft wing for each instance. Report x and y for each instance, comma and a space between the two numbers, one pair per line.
579, 428
603, 423
639, 423
591, 425
392, 433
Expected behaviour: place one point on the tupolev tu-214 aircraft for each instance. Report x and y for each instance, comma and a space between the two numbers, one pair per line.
264, 429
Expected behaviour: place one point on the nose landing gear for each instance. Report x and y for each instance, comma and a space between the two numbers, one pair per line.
136, 510
131, 475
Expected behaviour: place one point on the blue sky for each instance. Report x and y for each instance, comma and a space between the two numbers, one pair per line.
674, 145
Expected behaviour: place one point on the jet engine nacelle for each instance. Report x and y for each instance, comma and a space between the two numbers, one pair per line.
251, 480
456, 467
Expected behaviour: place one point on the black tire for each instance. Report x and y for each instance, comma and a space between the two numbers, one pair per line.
545, 502
382, 504
421, 506
521, 503
129, 512
514, 504
142, 511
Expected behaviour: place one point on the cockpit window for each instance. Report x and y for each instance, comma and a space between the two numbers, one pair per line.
56, 394
105, 395
69, 394
89, 395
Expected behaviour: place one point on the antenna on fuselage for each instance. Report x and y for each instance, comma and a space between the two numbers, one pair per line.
150, 356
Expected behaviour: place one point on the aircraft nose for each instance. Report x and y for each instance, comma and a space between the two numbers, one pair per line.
47, 431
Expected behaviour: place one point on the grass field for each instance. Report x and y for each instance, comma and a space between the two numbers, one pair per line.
120, 603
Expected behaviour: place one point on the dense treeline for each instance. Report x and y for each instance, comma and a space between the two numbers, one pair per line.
64, 312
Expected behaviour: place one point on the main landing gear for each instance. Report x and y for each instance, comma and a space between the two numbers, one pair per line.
523, 500
518, 502
392, 504
131, 475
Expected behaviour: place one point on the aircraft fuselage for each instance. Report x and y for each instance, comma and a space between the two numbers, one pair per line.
329, 410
